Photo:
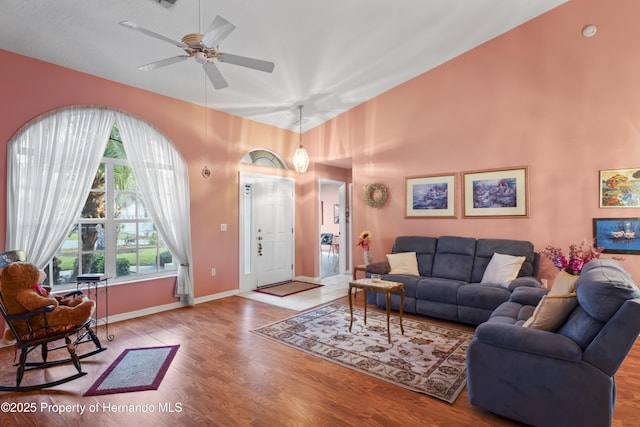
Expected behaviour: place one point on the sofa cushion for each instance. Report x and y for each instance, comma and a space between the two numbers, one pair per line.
454, 258
485, 248
603, 287
403, 263
424, 247
410, 282
502, 269
580, 327
482, 296
551, 312
438, 289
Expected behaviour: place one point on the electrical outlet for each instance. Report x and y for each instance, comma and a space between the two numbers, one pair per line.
223, 227
213, 271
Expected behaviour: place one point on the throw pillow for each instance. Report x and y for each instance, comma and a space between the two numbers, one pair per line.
564, 283
551, 312
502, 269
403, 263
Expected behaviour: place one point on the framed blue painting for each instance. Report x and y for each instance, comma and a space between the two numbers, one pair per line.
617, 235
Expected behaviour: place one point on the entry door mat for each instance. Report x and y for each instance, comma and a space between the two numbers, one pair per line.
287, 288
428, 358
136, 369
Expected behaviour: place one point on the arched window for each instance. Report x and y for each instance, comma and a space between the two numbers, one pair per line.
263, 157
94, 190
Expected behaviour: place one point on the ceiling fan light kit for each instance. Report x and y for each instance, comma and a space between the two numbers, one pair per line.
205, 49
300, 157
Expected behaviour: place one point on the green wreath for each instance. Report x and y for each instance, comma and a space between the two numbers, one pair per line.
375, 195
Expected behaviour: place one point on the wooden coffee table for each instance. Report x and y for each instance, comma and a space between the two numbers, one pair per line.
385, 286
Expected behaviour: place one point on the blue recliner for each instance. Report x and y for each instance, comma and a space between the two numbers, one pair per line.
562, 378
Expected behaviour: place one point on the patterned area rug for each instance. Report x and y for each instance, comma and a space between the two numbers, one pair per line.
136, 369
428, 358
288, 288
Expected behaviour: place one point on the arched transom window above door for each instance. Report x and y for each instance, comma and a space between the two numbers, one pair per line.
262, 157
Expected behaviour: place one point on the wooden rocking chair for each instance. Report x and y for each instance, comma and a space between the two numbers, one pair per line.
71, 334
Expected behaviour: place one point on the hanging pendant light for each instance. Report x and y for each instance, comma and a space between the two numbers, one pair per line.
300, 157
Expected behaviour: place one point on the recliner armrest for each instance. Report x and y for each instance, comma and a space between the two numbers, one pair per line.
527, 296
528, 340
381, 267
524, 281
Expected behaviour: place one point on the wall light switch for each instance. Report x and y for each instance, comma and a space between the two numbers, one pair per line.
213, 271
223, 227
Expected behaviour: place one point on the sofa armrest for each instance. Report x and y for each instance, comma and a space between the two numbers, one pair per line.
529, 281
381, 267
528, 340
528, 296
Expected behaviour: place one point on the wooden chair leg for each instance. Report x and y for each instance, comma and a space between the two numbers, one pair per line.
45, 352
72, 353
21, 366
94, 337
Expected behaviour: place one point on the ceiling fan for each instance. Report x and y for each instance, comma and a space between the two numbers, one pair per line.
205, 49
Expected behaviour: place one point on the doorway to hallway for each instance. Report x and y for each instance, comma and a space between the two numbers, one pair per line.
334, 222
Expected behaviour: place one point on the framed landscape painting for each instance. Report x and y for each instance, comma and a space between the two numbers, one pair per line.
617, 235
620, 188
496, 193
431, 196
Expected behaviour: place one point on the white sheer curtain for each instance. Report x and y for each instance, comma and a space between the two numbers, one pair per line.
163, 179
51, 165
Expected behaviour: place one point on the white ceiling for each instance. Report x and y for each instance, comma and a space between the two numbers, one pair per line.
329, 55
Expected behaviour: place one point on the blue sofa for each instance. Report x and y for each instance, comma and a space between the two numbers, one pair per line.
563, 377
451, 269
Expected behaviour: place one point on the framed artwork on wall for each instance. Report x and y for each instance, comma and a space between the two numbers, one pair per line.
617, 235
496, 193
620, 188
336, 214
431, 196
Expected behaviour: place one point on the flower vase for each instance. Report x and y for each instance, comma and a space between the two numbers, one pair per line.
367, 257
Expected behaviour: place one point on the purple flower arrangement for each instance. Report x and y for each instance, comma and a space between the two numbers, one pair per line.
579, 255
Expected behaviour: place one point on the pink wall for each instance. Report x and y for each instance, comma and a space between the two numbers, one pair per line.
31, 87
541, 96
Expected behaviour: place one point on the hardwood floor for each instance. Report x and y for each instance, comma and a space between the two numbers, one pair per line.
224, 375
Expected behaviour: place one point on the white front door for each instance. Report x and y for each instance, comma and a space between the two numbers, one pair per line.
266, 224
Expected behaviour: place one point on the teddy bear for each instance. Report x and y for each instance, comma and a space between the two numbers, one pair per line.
22, 292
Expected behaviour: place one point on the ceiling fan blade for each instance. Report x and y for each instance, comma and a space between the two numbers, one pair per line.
218, 30
136, 27
217, 80
164, 62
243, 61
